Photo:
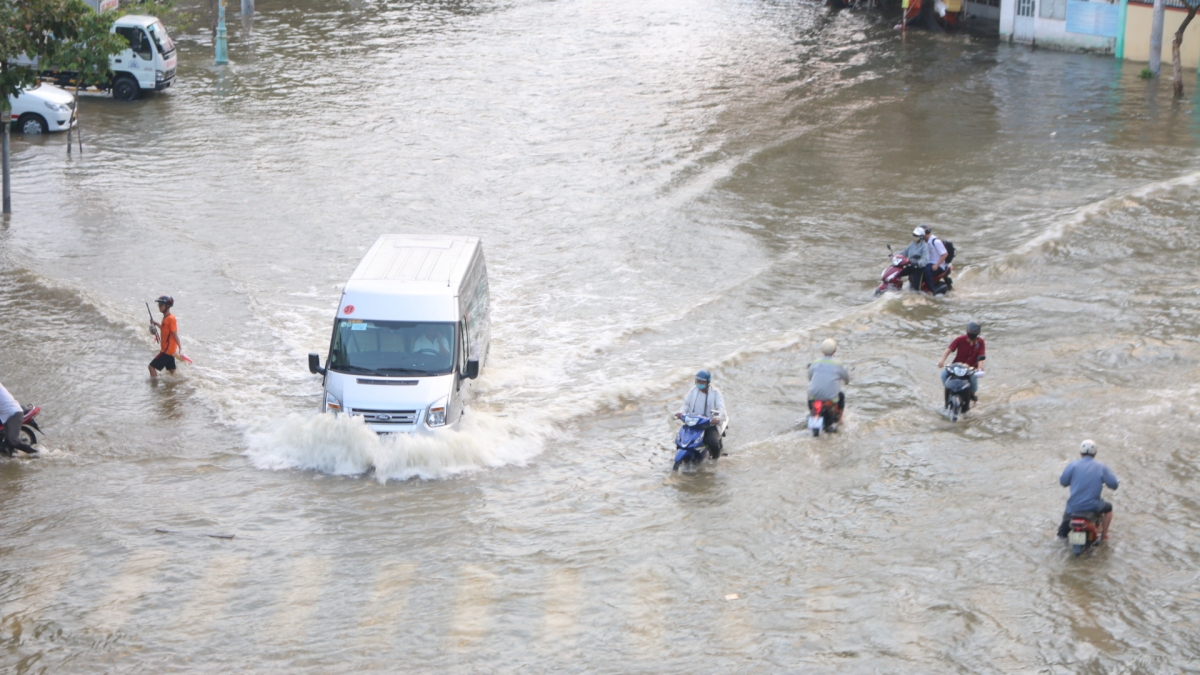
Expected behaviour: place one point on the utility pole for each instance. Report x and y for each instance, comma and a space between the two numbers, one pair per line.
6, 120
1156, 31
223, 47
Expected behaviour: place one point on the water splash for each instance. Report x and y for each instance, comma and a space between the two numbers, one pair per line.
346, 446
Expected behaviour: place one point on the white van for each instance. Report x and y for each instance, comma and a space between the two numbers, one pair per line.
411, 332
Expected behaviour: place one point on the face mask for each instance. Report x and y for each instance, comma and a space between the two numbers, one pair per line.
702, 386
973, 336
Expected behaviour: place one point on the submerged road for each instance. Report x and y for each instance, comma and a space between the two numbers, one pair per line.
659, 187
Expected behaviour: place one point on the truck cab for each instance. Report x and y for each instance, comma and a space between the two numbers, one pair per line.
148, 64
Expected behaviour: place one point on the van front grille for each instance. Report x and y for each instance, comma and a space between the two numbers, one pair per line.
386, 416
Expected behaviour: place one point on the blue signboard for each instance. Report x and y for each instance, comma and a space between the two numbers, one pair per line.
1093, 18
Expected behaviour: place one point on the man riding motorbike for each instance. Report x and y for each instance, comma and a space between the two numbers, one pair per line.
918, 254
968, 349
1086, 477
706, 400
13, 415
825, 378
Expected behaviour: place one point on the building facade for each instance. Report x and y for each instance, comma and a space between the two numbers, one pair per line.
1121, 27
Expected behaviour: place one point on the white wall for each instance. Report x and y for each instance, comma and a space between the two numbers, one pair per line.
1052, 34
1008, 13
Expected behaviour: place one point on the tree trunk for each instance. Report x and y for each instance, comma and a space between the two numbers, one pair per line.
1175, 51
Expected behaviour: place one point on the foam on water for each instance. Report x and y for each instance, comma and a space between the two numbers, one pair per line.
345, 446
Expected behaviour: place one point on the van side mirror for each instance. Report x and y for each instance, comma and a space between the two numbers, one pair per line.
314, 364
472, 368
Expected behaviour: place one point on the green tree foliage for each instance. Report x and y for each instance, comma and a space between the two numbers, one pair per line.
61, 34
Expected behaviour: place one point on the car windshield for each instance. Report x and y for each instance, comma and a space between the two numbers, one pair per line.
392, 348
161, 39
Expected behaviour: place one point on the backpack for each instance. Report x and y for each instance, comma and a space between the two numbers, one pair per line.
949, 251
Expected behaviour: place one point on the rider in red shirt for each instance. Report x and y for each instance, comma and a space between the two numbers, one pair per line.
968, 349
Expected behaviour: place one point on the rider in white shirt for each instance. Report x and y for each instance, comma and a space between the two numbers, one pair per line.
12, 414
706, 400
938, 252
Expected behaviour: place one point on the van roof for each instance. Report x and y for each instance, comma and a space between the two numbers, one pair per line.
415, 264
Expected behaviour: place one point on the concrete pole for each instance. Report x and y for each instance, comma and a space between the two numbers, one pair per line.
1156, 30
223, 46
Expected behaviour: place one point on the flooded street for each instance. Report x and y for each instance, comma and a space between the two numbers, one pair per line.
659, 187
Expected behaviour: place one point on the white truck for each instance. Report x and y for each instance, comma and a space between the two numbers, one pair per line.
411, 331
148, 64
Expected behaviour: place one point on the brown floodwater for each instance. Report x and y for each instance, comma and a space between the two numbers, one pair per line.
660, 187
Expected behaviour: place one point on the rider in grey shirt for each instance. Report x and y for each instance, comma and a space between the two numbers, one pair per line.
825, 378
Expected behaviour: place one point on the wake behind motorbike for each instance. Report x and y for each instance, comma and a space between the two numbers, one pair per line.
823, 416
898, 272
1084, 531
958, 389
689, 442
26, 435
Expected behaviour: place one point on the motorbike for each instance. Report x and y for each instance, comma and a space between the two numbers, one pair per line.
823, 416
958, 389
689, 442
898, 272
1084, 531
26, 435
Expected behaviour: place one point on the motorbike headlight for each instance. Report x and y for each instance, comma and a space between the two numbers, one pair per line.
58, 107
437, 414
332, 404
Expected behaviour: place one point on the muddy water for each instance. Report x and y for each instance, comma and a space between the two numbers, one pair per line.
660, 187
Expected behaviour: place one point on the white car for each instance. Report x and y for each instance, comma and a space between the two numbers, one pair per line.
42, 109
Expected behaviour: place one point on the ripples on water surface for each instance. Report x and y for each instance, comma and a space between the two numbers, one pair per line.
660, 187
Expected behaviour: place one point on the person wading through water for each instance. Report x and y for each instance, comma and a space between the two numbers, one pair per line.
168, 338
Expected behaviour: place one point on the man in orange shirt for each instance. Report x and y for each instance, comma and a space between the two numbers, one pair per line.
168, 338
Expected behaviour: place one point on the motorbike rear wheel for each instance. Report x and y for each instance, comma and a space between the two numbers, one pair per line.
1077, 549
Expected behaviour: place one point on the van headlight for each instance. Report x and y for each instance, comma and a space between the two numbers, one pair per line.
332, 404
158, 76
437, 414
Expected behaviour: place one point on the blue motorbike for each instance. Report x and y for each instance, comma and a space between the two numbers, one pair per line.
689, 442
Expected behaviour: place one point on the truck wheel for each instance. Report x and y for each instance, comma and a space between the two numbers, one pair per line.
32, 124
125, 88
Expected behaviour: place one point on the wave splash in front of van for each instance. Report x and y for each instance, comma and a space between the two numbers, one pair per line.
345, 446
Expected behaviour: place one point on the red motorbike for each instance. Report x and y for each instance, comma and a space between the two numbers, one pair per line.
898, 272
26, 435
1084, 531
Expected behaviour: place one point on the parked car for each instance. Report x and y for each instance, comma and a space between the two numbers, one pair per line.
42, 109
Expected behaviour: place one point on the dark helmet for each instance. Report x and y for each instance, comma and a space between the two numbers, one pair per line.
165, 300
973, 328
704, 376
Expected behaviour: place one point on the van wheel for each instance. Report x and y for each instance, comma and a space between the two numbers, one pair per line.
125, 88
32, 124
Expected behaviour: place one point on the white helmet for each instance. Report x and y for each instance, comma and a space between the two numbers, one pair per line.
919, 231
1088, 447
829, 346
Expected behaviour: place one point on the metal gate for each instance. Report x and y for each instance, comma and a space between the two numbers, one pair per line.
1023, 23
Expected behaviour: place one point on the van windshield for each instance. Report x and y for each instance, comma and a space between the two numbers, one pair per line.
391, 348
